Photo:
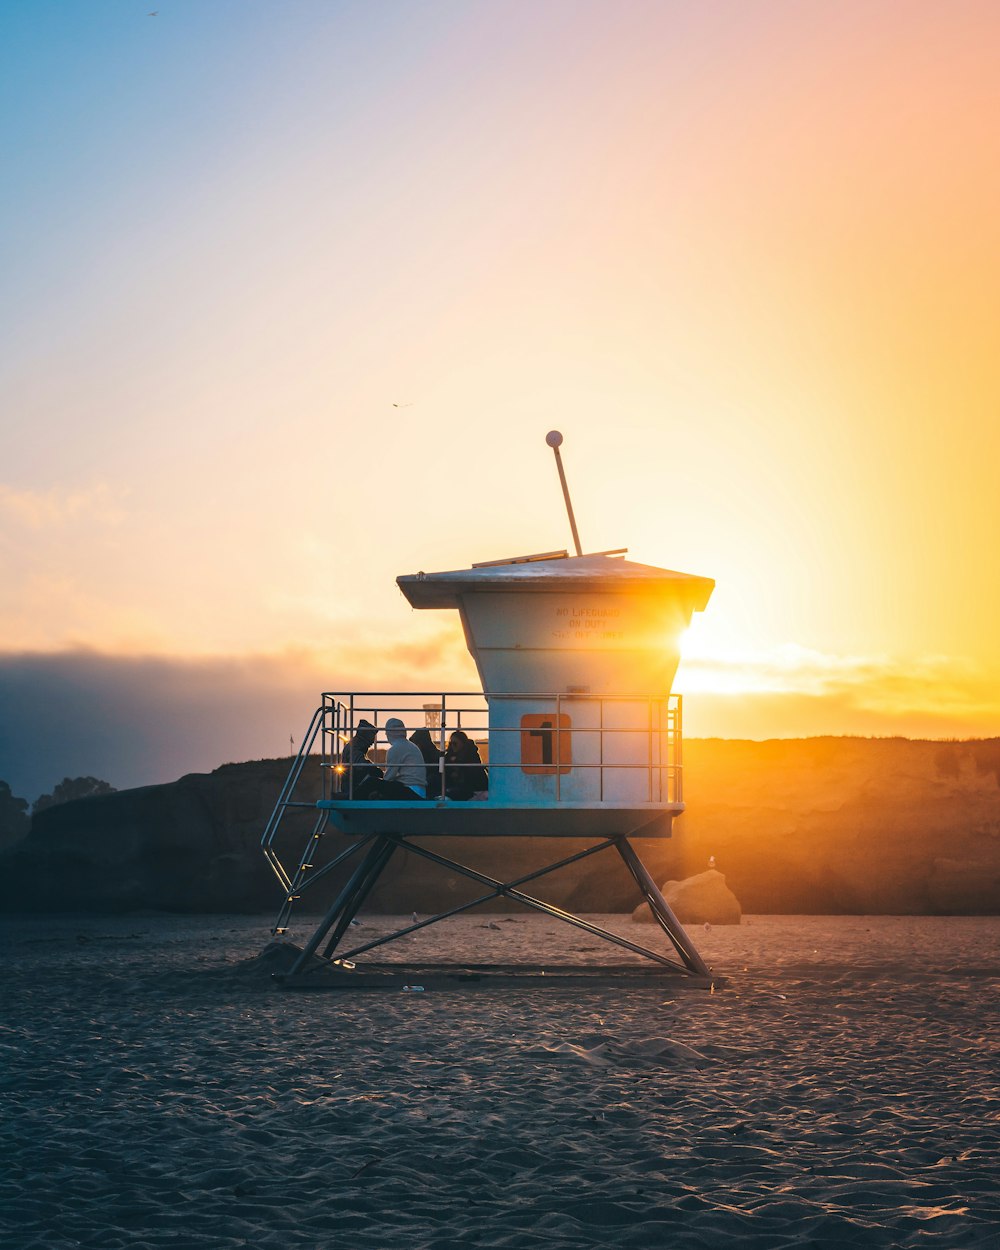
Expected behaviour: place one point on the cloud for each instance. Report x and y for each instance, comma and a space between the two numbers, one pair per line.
930, 687
53, 509
138, 720
793, 691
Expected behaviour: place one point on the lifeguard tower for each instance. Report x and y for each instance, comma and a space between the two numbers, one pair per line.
577, 656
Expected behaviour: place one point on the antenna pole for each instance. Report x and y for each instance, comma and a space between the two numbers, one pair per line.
554, 438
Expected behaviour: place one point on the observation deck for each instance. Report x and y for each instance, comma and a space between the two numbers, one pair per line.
580, 751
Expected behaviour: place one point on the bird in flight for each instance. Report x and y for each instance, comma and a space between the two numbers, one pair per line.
402, 405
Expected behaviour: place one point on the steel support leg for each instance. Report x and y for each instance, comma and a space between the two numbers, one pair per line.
361, 891
658, 905
342, 900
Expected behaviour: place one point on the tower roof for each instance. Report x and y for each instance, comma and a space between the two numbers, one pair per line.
567, 575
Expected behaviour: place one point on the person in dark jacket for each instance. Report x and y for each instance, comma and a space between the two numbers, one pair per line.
464, 773
422, 739
359, 775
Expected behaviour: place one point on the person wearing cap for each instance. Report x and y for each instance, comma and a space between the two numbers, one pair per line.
405, 771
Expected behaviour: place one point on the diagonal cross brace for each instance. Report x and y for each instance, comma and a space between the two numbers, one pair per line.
509, 890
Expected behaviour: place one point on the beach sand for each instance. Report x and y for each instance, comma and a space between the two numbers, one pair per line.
841, 1090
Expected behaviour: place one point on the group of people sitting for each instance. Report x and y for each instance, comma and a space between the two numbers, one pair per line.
412, 766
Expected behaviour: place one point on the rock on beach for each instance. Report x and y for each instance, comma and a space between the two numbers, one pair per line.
702, 899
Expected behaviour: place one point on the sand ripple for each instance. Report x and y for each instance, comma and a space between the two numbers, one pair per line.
156, 1094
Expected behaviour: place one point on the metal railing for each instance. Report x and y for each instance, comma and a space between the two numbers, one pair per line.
444, 713
336, 721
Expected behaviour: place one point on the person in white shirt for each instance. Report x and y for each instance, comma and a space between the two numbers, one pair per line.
405, 770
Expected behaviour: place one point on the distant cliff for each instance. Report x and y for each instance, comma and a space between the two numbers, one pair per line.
845, 825
822, 825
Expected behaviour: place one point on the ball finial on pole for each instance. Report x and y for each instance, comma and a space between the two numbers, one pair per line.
554, 440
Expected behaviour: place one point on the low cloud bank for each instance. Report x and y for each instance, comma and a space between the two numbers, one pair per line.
837, 714
138, 720
794, 692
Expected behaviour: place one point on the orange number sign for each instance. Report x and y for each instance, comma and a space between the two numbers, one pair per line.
543, 741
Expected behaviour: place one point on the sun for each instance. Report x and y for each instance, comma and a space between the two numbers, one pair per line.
713, 662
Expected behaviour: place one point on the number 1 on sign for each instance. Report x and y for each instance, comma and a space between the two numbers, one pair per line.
543, 737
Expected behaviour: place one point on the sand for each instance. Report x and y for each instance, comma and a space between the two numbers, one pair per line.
841, 1090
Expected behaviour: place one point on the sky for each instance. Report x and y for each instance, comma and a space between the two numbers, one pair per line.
292, 294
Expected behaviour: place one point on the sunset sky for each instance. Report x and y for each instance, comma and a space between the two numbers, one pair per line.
292, 293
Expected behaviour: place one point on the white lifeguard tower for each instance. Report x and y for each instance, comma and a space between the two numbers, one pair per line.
577, 656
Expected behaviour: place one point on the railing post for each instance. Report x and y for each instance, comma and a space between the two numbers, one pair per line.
558, 749
679, 731
600, 750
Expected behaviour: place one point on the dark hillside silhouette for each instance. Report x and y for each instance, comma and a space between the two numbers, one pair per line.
814, 825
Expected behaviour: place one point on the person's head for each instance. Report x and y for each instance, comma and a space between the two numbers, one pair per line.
458, 742
395, 730
365, 733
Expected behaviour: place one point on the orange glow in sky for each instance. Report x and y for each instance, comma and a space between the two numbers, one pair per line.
295, 293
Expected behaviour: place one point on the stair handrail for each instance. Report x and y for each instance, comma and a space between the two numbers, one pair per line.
284, 798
